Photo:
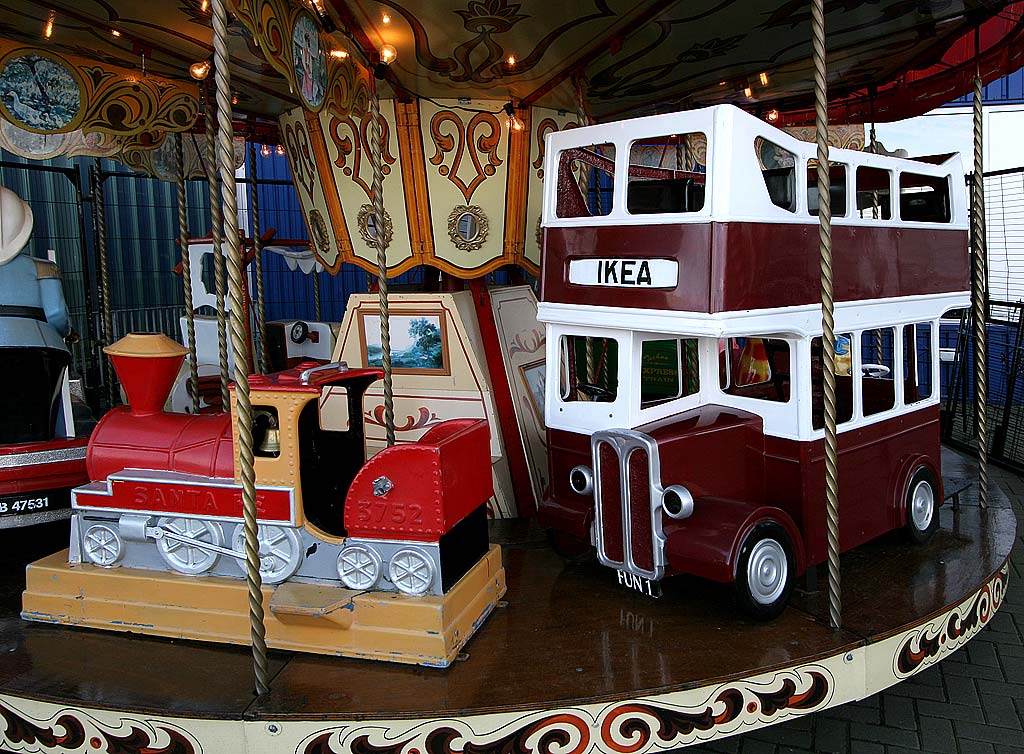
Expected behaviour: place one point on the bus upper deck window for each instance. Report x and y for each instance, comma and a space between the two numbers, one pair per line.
588, 369
874, 200
666, 174
924, 198
586, 176
778, 169
837, 188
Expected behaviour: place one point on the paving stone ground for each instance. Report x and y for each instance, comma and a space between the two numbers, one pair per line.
970, 703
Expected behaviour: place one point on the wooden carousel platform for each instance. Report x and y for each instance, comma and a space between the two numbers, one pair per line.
572, 663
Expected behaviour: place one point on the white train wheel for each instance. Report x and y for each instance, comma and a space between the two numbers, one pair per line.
359, 567
411, 571
186, 557
102, 545
280, 551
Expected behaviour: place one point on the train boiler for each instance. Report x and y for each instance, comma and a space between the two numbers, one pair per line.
164, 497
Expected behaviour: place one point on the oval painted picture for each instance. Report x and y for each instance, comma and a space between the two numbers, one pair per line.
39, 93
309, 61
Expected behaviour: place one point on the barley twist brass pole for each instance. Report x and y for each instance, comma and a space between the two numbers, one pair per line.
261, 312
827, 312
377, 198
239, 344
186, 276
980, 288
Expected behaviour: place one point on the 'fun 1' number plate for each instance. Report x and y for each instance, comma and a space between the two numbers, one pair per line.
638, 583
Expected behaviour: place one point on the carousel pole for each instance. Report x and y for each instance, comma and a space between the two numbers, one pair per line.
101, 248
261, 315
316, 293
186, 275
980, 286
239, 344
377, 196
828, 336
217, 231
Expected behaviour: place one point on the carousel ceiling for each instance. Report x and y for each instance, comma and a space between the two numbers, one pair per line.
621, 57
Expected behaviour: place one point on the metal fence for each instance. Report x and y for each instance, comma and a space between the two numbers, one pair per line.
1004, 216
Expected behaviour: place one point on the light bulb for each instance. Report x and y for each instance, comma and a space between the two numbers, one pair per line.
265, 150
200, 70
515, 123
115, 32
385, 17
764, 78
511, 61
748, 92
48, 29
280, 150
340, 54
388, 54
205, 6
773, 115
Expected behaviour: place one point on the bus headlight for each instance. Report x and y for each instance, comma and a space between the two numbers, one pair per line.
677, 501
581, 479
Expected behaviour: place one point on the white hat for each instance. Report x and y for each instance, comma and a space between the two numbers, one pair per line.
15, 224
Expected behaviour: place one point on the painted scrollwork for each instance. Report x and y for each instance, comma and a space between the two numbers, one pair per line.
467, 227
369, 233
453, 140
546, 126
929, 643
282, 30
71, 730
481, 58
623, 728
354, 145
47, 93
300, 156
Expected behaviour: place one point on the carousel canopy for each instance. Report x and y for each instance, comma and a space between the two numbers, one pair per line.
619, 57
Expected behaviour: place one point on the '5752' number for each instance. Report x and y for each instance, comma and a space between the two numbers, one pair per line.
389, 513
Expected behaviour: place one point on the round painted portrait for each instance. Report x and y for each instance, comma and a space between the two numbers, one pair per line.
39, 93
309, 60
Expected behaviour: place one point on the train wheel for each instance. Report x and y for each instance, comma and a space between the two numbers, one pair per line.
280, 551
102, 545
184, 557
411, 571
359, 567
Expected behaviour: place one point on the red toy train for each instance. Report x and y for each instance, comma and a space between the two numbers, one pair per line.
164, 491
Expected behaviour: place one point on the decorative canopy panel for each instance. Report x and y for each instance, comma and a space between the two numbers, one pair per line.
462, 191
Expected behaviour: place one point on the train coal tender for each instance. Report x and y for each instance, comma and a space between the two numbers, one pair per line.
157, 540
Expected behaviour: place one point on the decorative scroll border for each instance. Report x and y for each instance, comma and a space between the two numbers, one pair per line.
69, 729
116, 100
626, 727
929, 643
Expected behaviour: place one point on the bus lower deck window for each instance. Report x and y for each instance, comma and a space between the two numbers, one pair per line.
844, 381
588, 368
837, 188
874, 194
877, 368
917, 362
755, 368
668, 370
924, 198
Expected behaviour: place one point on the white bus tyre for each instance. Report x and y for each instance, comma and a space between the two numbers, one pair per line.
921, 505
765, 570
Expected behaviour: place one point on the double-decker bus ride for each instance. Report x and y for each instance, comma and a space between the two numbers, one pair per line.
681, 298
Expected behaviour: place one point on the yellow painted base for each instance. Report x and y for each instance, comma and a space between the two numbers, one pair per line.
376, 625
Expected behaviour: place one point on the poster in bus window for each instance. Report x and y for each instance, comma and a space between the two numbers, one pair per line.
844, 356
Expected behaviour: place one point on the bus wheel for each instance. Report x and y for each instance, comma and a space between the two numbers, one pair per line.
765, 572
922, 506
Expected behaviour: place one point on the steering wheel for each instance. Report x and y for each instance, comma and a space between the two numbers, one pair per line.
595, 391
299, 333
874, 370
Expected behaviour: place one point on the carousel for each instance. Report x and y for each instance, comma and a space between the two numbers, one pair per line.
677, 478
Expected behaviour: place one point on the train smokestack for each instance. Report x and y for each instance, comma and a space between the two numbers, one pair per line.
147, 366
